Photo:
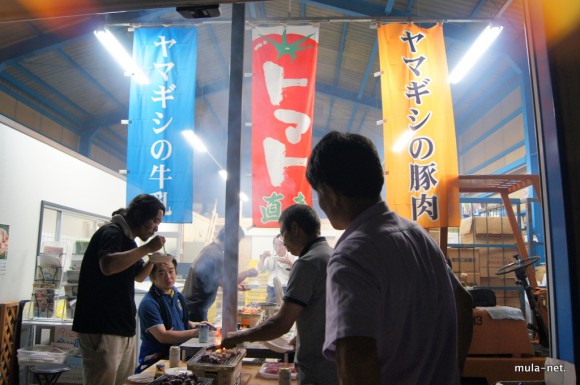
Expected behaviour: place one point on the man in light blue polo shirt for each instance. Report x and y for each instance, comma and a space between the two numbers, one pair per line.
390, 309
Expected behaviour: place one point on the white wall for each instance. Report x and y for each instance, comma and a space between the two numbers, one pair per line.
32, 171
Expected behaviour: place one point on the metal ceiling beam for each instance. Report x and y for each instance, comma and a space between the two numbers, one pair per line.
215, 43
337, 70
90, 78
39, 105
388, 10
112, 150
362, 120
504, 170
347, 95
477, 7
489, 132
13, 10
52, 91
505, 86
214, 113
389, 7
252, 10
49, 41
47, 107
368, 69
348, 7
95, 125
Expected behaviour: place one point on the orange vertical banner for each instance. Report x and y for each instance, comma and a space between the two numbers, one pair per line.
418, 126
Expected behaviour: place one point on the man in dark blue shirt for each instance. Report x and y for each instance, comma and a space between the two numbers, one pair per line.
163, 317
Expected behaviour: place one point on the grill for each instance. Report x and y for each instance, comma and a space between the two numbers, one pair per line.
228, 372
172, 380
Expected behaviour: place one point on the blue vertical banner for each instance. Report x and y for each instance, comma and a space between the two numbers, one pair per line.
159, 160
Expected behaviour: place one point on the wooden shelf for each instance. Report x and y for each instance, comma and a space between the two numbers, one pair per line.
498, 183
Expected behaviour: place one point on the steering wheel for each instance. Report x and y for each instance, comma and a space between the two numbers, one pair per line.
519, 264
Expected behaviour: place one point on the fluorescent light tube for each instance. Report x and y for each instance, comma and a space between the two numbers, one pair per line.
119, 53
402, 141
194, 141
489, 34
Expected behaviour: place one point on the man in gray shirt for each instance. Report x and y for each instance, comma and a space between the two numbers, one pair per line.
304, 301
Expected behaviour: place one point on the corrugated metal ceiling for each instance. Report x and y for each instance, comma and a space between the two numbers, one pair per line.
57, 67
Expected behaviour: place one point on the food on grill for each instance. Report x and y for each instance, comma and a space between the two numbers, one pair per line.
178, 379
250, 310
274, 367
219, 356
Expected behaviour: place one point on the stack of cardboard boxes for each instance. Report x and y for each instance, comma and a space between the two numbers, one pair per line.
488, 244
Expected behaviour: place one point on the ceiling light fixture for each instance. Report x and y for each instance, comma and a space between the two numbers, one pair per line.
198, 146
485, 39
194, 141
118, 52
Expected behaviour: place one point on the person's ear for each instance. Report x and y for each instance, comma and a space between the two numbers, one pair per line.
331, 196
293, 227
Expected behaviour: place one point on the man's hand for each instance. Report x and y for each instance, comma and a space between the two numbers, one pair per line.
285, 260
265, 255
156, 243
232, 339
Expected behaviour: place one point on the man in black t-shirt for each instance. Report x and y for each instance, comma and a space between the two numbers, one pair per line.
105, 310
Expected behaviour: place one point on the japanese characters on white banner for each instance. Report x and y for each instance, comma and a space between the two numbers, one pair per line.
159, 160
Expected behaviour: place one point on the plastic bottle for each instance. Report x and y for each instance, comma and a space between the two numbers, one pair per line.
174, 356
159, 370
203, 333
284, 376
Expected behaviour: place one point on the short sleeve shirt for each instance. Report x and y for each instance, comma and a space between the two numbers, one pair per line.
150, 315
307, 287
388, 280
106, 304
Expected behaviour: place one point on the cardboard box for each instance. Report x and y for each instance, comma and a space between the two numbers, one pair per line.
469, 279
510, 297
499, 336
494, 258
464, 259
489, 230
540, 273
498, 281
514, 293
511, 302
435, 234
